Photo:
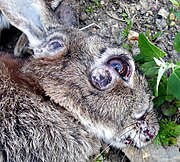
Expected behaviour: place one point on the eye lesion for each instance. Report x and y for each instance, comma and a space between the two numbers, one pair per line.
116, 67
101, 78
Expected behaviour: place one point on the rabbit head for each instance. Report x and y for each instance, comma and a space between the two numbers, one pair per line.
98, 84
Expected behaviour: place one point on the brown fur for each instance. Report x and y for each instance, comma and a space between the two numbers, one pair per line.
37, 126
12, 68
69, 124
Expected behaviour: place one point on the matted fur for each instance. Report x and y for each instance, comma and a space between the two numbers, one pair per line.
65, 116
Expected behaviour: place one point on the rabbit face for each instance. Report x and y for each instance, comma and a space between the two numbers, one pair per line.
97, 84
100, 86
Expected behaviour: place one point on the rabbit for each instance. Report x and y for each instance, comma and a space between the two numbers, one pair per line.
74, 92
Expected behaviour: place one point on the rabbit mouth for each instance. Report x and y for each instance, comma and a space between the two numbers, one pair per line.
138, 135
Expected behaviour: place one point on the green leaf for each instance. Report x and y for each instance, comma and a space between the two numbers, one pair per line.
150, 69
163, 68
177, 14
152, 84
158, 101
178, 103
169, 110
177, 42
169, 98
127, 28
157, 140
160, 74
126, 46
177, 131
148, 49
168, 132
175, 3
156, 35
178, 63
139, 58
163, 87
173, 83
172, 141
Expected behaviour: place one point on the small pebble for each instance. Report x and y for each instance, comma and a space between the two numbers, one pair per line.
133, 36
173, 23
172, 17
163, 13
83, 16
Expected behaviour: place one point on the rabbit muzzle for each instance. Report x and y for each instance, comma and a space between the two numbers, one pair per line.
139, 135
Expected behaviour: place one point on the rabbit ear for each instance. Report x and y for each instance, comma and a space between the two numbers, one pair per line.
30, 16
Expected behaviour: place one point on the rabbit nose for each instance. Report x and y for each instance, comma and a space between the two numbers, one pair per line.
146, 129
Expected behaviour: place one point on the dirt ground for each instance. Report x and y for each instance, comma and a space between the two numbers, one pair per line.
109, 19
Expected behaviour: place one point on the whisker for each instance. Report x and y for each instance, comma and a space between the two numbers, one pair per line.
153, 114
125, 154
113, 141
141, 150
134, 149
128, 148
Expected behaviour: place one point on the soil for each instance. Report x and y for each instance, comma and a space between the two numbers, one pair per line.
108, 19
110, 22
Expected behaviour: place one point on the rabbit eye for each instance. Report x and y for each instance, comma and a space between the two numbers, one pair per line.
54, 46
121, 67
104, 76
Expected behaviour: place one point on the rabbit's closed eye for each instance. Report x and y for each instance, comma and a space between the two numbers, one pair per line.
55, 45
52, 46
